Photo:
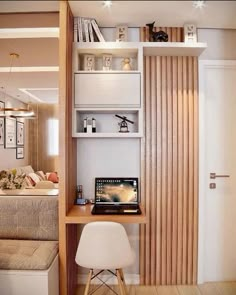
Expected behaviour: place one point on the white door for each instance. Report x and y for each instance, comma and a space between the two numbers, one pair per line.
217, 206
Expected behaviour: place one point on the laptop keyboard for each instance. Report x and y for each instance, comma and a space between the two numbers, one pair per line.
116, 209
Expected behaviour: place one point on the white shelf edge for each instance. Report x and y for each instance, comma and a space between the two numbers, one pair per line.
173, 48
107, 72
108, 135
149, 48
112, 109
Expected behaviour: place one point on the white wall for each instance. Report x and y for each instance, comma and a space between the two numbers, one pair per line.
8, 156
221, 44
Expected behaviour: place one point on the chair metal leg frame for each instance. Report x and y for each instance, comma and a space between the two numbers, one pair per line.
91, 277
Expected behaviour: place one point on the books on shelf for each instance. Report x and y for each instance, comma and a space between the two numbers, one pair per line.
87, 30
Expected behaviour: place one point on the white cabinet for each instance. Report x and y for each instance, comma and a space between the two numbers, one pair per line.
110, 89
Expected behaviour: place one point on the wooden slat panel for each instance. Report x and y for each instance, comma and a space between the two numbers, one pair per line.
170, 168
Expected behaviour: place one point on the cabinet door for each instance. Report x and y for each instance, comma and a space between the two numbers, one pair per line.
107, 89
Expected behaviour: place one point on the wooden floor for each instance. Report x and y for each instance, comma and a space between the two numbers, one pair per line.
226, 288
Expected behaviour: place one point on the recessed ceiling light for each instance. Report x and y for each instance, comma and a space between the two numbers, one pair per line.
107, 3
199, 3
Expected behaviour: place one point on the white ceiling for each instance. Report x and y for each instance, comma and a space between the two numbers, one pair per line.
215, 14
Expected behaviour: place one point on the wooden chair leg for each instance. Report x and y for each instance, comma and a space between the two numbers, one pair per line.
120, 283
123, 281
86, 291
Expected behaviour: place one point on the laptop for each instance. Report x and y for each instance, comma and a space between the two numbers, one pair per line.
116, 196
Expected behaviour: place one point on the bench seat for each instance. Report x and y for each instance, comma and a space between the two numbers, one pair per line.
27, 254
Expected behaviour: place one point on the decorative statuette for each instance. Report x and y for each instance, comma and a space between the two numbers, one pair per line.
126, 64
124, 123
159, 36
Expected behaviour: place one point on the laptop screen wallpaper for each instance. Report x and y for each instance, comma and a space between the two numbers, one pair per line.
116, 190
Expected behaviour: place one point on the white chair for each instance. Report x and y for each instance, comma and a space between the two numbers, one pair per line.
105, 246
44, 184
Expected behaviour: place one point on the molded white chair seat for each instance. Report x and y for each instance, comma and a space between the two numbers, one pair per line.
105, 245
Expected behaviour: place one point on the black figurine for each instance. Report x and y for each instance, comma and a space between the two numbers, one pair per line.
160, 36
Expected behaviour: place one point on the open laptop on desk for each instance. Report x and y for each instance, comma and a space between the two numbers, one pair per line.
116, 196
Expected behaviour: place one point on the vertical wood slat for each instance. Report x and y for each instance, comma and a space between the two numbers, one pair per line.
153, 168
195, 164
170, 168
164, 173
180, 171
159, 169
190, 171
148, 165
175, 171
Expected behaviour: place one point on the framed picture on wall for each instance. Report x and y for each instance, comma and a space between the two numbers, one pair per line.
2, 131
2, 106
20, 153
20, 133
10, 133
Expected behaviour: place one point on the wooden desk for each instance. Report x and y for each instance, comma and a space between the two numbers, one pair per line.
82, 214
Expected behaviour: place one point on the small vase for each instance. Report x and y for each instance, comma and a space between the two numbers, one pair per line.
126, 64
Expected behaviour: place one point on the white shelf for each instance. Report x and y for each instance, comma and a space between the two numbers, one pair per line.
117, 49
105, 72
107, 110
172, 48
149, 48
108, 135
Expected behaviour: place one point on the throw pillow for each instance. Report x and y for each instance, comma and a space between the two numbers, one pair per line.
53, 177
41, 175
35, 178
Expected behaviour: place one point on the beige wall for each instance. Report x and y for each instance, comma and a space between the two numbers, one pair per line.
221, 44
29, 20
40, 135
8, 156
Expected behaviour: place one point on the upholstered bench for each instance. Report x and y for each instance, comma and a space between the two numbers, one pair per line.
29, 245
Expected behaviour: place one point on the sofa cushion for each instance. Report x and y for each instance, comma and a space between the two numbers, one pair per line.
25, 169
27, 255
32, 218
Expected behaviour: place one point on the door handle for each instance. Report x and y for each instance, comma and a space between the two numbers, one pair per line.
214, 176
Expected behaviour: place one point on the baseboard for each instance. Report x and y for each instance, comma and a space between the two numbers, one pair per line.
130, 279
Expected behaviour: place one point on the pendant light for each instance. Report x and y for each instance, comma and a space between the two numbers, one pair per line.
24, 112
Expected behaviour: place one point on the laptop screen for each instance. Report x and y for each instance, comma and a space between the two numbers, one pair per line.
116, 190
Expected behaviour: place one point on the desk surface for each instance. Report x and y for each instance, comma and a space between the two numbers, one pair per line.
82, 214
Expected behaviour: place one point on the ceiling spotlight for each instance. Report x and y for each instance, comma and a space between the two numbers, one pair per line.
199, 4
107, 3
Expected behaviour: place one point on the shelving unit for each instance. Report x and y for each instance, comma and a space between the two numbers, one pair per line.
106, 122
